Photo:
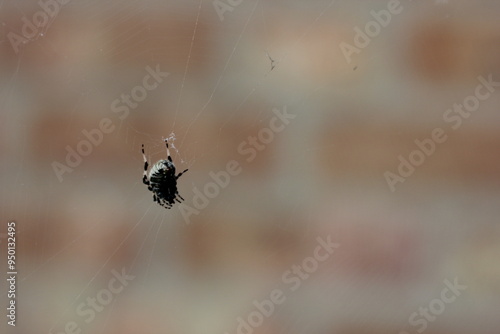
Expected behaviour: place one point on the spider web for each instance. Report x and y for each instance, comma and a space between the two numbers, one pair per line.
152, 225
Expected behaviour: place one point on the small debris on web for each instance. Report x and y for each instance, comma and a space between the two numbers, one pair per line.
170, 139
272, 61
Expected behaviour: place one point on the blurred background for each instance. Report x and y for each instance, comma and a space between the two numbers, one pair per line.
230, 63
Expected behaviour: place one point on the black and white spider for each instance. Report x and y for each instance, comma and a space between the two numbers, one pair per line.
162, 180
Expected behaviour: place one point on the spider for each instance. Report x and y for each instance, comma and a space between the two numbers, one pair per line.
162, 180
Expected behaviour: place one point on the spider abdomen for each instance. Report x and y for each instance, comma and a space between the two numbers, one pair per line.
161, 170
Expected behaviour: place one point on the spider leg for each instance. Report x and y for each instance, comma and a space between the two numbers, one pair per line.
145, 174
179, 196
179, 175
166, 204
168, 152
